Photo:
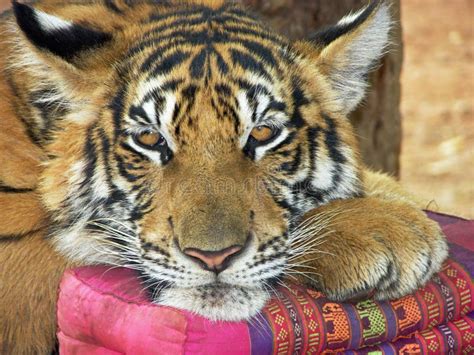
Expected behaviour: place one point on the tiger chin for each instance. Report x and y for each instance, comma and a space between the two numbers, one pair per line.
188, 141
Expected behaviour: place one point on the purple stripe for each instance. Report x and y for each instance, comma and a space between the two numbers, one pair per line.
443, 219
386, 348
391, 324
355, 325
448, 338
261, 336
463, 257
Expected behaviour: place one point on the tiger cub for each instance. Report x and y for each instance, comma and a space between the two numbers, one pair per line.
186, 140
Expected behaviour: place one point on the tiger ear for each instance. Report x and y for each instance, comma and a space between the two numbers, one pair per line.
347, 51
62, 38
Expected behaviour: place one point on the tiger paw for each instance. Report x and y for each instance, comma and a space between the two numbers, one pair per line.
363, 247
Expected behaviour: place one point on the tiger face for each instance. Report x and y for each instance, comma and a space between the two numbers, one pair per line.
186, 139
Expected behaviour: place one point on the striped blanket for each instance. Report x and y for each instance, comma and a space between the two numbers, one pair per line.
105, 312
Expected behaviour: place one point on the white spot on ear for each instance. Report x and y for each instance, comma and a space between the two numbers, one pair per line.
351, 17
50, 23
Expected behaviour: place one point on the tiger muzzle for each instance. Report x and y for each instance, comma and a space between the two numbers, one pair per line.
212, 234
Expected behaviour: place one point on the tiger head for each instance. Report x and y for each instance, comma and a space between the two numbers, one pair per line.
186, 140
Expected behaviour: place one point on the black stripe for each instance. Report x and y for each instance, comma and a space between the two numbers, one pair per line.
156, 94
239, 21
229, 111
124, 172
312, 136
331, 33
221, 64
257, 48
246, 85
147, 246
105, 155
299, 100
276, 106
223, 90
186, 12
176, 25
90, 153
111, 5
332, 140
117, 107
176, 112
258, 34
28, 127
293, 166
64, 42
170, 62
243, 14
115, 195
138, 111
197, 65
142, 208
17, 237
248, 62
170, 85
50, 112
189, 93
15, 190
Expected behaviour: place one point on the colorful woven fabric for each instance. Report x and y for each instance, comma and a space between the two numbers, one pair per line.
105, 312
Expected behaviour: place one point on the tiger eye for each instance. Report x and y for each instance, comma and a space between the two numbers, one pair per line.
149, 139
262, 133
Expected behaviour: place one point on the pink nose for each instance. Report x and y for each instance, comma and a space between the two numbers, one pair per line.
214, 260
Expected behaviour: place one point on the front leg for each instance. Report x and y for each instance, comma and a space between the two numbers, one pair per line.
352, 248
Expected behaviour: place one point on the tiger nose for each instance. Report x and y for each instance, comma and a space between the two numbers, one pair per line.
216, 261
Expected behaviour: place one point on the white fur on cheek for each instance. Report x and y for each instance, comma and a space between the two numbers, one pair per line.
323, 175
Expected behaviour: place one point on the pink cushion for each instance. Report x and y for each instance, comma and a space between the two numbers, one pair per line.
103, 310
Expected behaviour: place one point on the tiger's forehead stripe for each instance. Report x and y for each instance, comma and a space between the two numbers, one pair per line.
179, 35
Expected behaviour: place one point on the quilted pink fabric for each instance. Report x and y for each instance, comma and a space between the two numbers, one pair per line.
102, 311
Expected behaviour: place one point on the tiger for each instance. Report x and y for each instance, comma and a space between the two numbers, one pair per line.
190, 142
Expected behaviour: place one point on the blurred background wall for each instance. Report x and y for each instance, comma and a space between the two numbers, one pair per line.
417, 122
437, 160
